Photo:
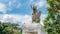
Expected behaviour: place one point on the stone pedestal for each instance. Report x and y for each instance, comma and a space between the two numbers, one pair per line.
31, 33
34, 28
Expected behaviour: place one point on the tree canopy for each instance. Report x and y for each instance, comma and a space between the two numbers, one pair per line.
9, 28
52, 21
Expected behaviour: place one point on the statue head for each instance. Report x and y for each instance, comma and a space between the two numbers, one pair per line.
34, 7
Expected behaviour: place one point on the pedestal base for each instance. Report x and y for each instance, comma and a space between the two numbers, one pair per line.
33, 29
31, 32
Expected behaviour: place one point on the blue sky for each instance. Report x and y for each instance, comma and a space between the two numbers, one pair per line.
20, 8
23, 6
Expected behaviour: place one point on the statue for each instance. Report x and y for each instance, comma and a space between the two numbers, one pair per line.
38, 17
35, 15
34, 10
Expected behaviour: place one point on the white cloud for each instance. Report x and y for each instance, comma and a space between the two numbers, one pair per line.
39, 3
2, 8
13, 4
43, 16
19, 18
8, 5
16, 18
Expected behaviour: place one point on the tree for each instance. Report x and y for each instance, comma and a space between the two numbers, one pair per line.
9, 28
52, 21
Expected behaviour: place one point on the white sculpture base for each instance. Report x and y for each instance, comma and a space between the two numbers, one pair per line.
34, 28
31, 33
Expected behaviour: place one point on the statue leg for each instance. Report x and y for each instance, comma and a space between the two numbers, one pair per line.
37, 20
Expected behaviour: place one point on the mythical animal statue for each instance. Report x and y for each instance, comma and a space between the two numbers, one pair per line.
35, 15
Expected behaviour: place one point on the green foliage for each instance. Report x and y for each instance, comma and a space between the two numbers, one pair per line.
52, 21
9, 28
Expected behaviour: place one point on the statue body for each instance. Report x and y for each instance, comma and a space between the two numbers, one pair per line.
35, 15
38, 17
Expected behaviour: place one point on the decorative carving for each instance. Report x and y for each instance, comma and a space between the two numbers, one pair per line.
35, 15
